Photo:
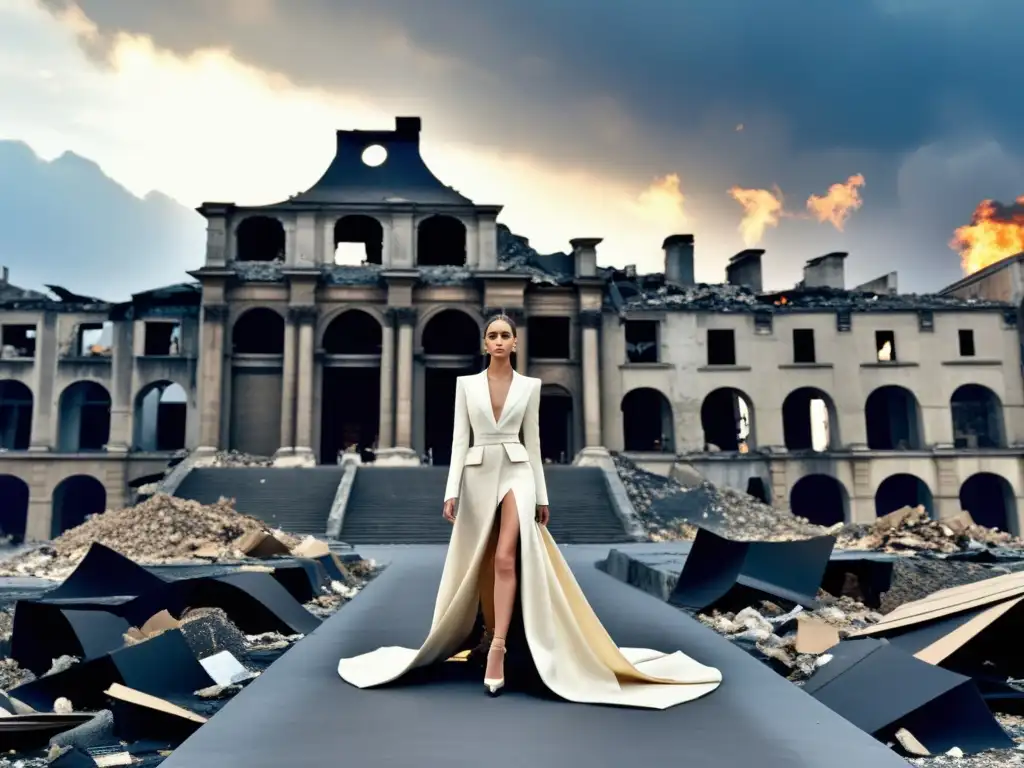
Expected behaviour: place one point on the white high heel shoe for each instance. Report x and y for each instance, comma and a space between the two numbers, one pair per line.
492, 684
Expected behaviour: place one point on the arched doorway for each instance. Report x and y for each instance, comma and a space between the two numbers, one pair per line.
257, 364
74, 499
727, 418
990, 500
84, 417
893, 419
647, 421
161, 410
15, 415
809, 420
556, 439
822, 499
451, 343
14, 496
977, 417
350, 411
902, 490
441, 241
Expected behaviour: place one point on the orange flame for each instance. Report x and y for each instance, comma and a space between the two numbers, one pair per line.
761, 209
995, 232
836, 205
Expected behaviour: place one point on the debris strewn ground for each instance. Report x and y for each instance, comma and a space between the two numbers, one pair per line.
911, 529
160, 529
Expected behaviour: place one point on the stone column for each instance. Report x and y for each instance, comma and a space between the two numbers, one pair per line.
402, 451
305, 319
211, 375
590, 319
288, 386
45, 398
386, 424
122, 366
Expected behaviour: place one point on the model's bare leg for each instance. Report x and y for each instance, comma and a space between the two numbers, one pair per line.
486, 588
504, 584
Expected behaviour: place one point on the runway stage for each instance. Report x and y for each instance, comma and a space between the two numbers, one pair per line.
299, 713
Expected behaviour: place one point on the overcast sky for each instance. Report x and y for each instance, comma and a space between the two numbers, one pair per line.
585, 118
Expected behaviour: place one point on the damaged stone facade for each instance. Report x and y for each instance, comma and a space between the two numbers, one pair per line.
338, 320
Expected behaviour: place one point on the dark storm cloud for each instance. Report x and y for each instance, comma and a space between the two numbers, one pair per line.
640, 88
66, 223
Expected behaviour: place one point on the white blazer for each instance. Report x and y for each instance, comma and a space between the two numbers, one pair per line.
473, 413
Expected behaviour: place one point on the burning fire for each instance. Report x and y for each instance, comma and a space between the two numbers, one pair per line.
763, 208
836, 205
995, 232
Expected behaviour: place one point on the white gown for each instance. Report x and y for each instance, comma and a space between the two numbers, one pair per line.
574, 655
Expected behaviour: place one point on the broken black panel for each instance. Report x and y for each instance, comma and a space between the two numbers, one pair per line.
19, 340
803, 345
966, 337
548, 337
721, 346
642, 341
260, 238
885, 346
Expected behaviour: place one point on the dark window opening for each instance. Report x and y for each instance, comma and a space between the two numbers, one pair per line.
358, 240
547, 338
258, 331
441, 241
162, 338
977, 417
642, 341
803, 345
353, 333
19, 341
92, 340
452, 332
885, 346
260, 238
15, 416
966, 343
726, 418
647, 421
721, 347
893, 421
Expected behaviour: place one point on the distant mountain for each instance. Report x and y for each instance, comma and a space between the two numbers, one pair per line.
67, 223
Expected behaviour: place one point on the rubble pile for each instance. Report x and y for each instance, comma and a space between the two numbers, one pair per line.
162, 528
239, 459
911, 529
729, 512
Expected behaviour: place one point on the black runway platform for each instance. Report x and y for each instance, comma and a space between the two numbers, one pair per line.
300, 713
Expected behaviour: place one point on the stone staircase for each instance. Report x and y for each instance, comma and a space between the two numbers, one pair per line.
402, 505
297, 500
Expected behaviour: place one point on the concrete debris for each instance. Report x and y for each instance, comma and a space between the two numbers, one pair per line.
239, 459
162, 528
1000, 758
726, 511
12, 675
911, 529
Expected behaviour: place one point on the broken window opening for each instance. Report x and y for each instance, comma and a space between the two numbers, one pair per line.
74, 499
763, 323
258, 331
647, 421
977, 417
93, 340
893, 419
161, 410
726, 416
358, 240
902, 490
990, 500
14, 493
260, 238
757, 488
721, 346
885, 346
18, 341
642, 341
803, 345
966, 343
822, 499
84, 417
844, 320
15, 416
556, 438
440, 241
353, 332
808, 419
548, 338
162, 338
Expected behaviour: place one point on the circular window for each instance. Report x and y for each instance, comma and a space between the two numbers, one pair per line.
374, 155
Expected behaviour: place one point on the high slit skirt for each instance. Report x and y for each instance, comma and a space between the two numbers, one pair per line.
574, 656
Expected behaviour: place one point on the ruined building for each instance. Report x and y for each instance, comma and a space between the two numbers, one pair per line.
837, 403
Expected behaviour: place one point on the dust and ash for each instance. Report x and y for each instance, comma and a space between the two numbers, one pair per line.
995, 232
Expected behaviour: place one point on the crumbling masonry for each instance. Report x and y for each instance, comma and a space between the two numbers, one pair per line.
339, 318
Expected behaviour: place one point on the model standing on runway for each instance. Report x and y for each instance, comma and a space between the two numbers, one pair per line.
499, 576
496, 498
